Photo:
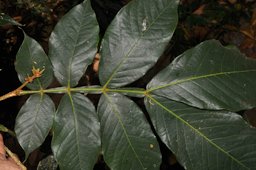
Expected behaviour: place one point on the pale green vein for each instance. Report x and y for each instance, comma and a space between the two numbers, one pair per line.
73, 53
121, 63
129, 92
123, 127
125, 57
76, 129
32, 61
37, 110
86, 89
197, 131
200, 77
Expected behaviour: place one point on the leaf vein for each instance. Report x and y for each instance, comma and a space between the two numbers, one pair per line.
193, 78
117, 114
198, 132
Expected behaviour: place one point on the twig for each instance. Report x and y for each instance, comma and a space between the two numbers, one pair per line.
36, 73
5, 129
15, 159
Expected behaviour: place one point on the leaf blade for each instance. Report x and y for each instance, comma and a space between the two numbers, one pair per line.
129, 44
31, 54
209, 76
34, 122
73, 44
203, 139
127, 141
76, 139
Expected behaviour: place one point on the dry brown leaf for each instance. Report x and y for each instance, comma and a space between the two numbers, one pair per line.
200, 10
253, 21
232, 1
249, 43
96, 62
248, 32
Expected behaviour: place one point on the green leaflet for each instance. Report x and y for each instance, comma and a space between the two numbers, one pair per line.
135, 39
203, 139
209, 76
76, 138
30, 55
127, 140
34, 122
73, 44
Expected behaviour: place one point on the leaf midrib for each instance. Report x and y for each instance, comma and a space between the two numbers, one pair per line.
197, 131
193, 78
32, 61
117, 114
125, 57
38, 106
76, 128
74, 49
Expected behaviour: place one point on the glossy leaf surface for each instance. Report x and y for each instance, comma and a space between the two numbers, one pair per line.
34, 122
73, 44
203, 139
76, 138
209, 76
135, 39
30, 55
127, 139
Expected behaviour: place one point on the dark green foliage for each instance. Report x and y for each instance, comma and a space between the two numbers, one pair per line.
191, 103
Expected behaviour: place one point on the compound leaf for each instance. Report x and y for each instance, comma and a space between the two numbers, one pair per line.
203, 139
34, 122
135, 39
127, 139
209, 76
73, 44
76, 138
30, 55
